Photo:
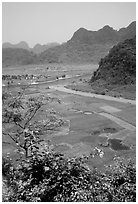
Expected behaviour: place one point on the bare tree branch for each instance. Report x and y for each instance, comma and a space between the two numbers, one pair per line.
13, 139
32, 116
19, 125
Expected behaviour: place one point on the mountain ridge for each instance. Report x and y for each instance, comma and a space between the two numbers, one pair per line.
88, 46
85, 46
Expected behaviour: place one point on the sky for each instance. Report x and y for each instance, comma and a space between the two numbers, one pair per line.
43, 22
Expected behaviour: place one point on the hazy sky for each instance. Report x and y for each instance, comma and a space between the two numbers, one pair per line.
56, 22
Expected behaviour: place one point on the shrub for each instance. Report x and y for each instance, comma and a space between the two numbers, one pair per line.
49, 176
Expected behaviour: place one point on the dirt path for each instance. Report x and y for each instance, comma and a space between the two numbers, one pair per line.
120, 122
104, 97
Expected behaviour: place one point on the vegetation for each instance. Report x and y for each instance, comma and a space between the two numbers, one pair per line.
119, 66
49, 176
20, 113
42, 175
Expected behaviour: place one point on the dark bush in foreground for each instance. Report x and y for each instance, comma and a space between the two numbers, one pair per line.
49, 176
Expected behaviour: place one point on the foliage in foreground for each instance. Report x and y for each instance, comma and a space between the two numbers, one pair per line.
49, 176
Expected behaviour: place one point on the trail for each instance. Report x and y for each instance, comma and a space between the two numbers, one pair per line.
120, 122
80, 93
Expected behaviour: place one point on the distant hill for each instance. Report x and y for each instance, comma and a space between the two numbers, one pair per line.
22, 54
38, 48
17, 56
88, 46
41, 48
22, 45
119, 66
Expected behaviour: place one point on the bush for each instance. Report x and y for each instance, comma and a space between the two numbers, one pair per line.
49, 176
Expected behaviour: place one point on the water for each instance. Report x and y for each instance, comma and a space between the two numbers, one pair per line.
117, 145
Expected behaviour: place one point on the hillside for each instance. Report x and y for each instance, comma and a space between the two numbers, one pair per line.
17, 56
119, 66
75, 53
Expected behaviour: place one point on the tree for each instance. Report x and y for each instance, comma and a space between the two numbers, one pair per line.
20, 112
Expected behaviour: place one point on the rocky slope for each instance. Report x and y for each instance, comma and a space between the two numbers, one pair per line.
119, 66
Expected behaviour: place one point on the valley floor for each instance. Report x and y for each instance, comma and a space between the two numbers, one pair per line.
94, 125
